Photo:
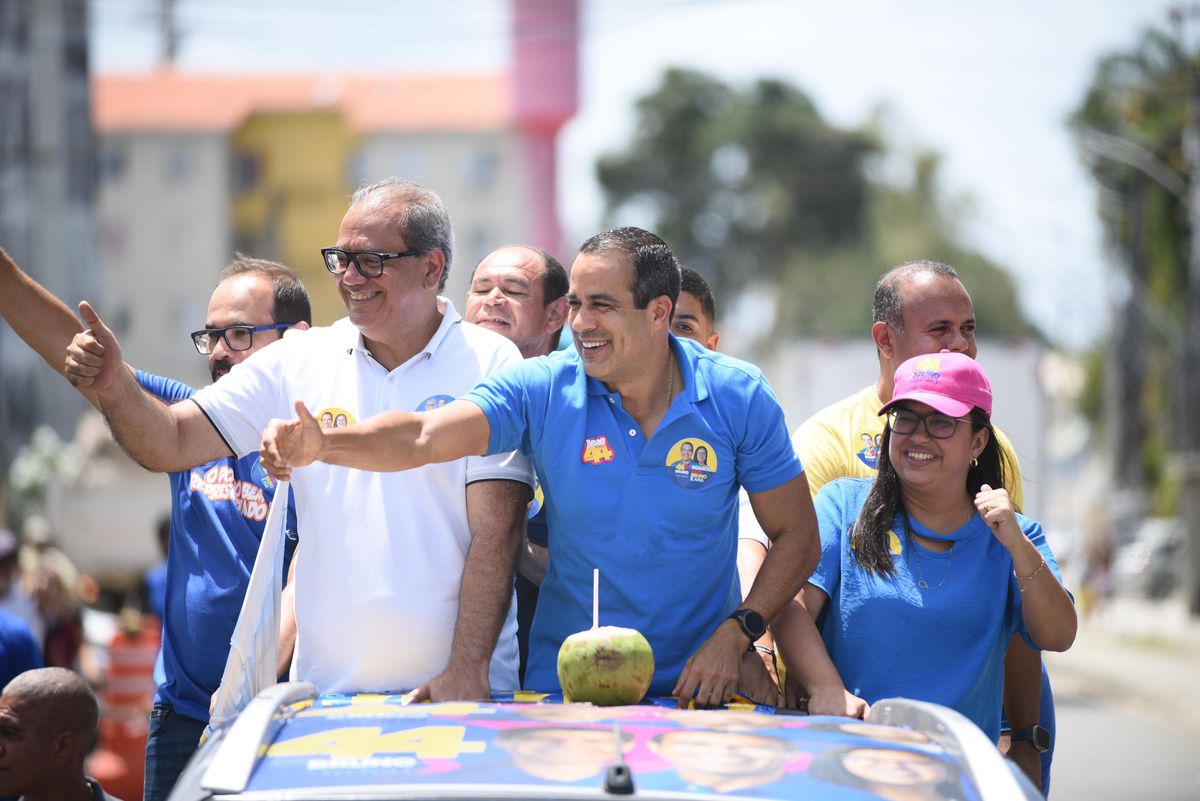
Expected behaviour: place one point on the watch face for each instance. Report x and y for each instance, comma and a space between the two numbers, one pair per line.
753, 623
1036, 735
1041, 738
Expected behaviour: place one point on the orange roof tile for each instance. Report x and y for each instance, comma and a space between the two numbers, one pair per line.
172, 101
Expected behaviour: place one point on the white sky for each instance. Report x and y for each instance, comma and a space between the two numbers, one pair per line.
989, 85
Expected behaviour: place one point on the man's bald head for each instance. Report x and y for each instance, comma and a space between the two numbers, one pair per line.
60, 700
888, 306
47, 726
519, 291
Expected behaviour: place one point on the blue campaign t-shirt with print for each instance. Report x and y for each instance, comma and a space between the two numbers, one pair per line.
218, 511
944, 642
658, 517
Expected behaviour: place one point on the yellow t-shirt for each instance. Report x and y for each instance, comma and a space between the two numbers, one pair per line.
842, 440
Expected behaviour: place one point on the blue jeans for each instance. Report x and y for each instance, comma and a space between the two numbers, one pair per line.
172, 740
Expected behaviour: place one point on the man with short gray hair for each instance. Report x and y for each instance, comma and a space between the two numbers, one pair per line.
419, 564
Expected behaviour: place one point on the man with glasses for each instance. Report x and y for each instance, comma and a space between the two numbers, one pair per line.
217, 508
922, 307
406, 579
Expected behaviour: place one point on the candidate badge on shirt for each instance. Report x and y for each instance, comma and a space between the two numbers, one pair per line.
335, 417
868, 454
538, 500
433, 402
691, 462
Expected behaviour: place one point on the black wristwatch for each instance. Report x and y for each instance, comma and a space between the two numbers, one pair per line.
752, 623
1038, 737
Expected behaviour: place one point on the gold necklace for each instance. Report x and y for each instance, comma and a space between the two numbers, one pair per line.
670, 378
921, 582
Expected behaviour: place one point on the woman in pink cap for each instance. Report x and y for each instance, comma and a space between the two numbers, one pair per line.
927, 571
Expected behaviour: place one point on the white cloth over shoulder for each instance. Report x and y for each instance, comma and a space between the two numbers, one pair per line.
254, 648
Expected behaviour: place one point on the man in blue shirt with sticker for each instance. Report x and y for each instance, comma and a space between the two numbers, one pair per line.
604, 424
217, 509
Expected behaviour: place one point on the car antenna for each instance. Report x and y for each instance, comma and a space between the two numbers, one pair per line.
618, 780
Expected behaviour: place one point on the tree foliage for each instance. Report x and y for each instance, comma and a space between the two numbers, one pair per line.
1140, 97
754, 189
740, 179
1130, 129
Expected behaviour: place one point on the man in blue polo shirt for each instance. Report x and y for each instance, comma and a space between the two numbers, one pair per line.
217, 509
604, 425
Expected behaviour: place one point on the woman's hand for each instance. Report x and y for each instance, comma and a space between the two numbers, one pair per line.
996, 509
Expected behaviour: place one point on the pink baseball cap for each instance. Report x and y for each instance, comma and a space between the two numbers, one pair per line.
952, 383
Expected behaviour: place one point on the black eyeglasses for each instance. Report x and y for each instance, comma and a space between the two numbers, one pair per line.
368, 263
937, 425
237, 337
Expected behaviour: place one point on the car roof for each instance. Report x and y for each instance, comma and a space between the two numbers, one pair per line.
532, 746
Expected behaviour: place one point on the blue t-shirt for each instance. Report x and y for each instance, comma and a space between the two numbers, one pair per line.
19, 650
217, 515
664, 538
155, 580
888, 636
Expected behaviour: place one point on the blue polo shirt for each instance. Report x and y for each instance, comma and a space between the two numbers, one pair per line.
658, 518
217, 515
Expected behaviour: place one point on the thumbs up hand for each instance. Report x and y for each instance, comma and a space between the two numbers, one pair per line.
94, 356
291, 443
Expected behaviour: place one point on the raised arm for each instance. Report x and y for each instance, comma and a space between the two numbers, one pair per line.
43, 321
1046, 608
383, 443
159, 437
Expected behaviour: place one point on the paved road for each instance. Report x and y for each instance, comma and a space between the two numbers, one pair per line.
1110, 751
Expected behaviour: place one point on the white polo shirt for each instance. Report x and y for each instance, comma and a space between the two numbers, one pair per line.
383, 553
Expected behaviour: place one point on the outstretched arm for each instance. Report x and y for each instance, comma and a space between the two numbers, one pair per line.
496, 512
159, 437
383, 443
43, 321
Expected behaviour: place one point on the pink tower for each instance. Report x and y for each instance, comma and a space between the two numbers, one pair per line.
545, 95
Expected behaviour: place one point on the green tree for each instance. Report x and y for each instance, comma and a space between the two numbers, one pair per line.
1129, 126
737, 180
753, 188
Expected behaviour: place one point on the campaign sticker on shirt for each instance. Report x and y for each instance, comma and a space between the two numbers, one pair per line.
335, 417
433, 402
596, 450
893, 544
261, 476
539, 498
691, 462
869, 453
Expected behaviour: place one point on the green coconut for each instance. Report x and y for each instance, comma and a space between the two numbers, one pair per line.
606, 666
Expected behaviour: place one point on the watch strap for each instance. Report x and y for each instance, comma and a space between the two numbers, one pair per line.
1035, 735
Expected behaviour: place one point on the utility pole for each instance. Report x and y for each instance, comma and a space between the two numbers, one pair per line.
168, 28
1190, 373
1127, 363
